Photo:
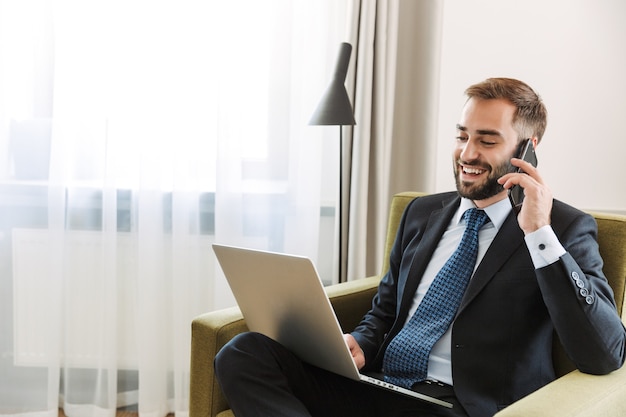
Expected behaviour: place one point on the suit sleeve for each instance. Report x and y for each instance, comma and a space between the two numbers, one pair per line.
580, 301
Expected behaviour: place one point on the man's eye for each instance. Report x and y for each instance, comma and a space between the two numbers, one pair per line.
487, 143
461, 138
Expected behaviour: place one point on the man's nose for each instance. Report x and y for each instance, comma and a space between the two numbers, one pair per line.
470, 151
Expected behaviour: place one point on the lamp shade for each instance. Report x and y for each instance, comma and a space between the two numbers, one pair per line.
334, 107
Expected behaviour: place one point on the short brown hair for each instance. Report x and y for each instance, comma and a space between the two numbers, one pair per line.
531, 116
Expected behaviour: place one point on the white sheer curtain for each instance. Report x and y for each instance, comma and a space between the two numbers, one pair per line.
133, 134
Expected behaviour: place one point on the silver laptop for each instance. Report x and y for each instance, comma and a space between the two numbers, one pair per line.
282, 297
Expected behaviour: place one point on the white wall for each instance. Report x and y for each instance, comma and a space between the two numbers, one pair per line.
573, 53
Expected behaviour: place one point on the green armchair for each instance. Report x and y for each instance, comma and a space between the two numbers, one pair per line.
573, 394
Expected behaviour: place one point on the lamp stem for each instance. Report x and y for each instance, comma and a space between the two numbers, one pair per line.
340, 278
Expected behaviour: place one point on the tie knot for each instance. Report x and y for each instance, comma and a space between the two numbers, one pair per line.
475, 218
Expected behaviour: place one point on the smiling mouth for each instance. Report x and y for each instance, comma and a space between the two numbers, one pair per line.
472, 171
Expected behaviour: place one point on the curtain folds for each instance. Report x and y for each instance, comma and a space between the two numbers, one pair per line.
395, 87
133, 134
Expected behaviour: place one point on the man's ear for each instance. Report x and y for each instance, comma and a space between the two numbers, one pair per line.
535, 141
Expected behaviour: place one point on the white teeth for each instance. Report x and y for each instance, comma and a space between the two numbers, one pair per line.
472, 170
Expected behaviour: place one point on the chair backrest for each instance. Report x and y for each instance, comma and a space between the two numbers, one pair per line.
611, 240
398, 204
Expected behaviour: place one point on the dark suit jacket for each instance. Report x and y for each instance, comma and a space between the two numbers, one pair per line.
503, 331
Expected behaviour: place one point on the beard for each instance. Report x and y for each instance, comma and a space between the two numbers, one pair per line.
486, 189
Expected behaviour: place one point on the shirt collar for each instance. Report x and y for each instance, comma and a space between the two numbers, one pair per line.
497, 212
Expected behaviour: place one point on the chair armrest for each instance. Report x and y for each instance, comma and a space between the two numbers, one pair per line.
575, 395
352, 299
211, 331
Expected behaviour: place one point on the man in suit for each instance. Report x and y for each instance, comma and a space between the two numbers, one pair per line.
537, 271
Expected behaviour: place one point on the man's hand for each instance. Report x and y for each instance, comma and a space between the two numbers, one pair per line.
357, 353
537, 206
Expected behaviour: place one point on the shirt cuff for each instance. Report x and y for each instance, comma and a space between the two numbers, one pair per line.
544, 247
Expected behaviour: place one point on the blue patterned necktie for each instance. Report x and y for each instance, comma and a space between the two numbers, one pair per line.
406, 357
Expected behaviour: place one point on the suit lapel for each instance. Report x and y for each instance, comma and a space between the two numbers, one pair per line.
435, 227
506, 242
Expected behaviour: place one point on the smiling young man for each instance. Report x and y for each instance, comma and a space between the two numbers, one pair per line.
495, 345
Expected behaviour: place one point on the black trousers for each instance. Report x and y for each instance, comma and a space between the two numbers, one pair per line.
260, 377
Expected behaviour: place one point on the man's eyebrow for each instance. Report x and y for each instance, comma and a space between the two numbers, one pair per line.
481, 132
488, 132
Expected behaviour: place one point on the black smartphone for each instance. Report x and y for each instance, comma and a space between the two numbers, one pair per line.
527, 153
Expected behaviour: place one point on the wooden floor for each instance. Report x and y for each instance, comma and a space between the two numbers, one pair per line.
119, 413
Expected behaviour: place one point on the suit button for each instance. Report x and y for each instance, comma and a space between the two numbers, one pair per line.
584, 292
589, 299
575, 276
580, 283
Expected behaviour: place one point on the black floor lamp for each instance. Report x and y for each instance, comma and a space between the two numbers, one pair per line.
335, 109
